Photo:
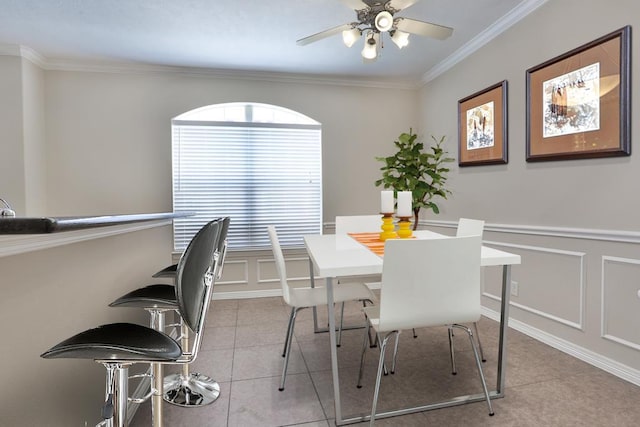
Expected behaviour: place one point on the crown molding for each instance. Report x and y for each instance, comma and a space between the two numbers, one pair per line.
57, 64
501, 25
137, 68
23, 52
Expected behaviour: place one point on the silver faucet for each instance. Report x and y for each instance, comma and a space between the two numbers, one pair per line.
6, 211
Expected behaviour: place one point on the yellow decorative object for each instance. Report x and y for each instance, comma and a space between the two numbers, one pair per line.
404, 228
388, 229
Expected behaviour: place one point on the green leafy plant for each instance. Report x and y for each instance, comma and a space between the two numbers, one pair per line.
411, 168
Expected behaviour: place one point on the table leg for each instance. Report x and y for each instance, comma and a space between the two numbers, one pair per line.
312, 281
504, 325
334, 351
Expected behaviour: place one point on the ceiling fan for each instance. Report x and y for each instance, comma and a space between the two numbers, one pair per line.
376, 17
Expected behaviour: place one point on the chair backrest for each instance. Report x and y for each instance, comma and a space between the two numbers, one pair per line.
358, 224
194, 273
428, 282
280, 264
470, 227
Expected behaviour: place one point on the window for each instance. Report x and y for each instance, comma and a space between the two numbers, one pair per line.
259, 164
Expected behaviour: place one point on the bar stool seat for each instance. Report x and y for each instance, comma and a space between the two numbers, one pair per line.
169, 271
117, 341
160, 295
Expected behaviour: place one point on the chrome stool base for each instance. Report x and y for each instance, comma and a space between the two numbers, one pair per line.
193, 390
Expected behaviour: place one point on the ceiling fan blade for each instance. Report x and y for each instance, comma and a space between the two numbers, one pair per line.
323, 34
401, 4
421, 28
355, 4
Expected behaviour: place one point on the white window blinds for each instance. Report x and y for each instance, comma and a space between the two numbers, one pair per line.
256, 173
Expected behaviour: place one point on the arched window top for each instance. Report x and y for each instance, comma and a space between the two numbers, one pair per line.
246, 112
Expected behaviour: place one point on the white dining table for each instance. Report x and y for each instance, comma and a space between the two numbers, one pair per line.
332, 256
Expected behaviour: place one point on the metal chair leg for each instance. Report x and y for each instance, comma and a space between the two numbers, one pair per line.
395, 353
286, 338
341, 325
376, 393
451, 352
367, 338
479, 364
288, 348
475, 327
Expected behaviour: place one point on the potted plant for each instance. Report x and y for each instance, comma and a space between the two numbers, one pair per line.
424, 173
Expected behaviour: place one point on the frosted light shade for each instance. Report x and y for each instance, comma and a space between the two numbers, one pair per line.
370, 50
349, 37
400, 38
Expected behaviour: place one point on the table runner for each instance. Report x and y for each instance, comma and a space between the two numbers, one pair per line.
371, 241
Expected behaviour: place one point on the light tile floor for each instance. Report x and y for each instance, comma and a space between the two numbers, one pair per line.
242, 350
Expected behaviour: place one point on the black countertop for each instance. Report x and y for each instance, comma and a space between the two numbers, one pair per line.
43, 225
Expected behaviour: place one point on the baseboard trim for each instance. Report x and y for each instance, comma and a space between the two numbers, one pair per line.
606, 364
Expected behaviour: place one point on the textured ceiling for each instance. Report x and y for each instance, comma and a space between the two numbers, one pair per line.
251, 35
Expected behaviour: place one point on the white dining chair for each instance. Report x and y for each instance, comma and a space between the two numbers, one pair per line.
470, 227
305, 297
414, 274
358, 224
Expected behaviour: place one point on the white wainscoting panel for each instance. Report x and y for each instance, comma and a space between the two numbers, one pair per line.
553, 287
620, 310
235, 272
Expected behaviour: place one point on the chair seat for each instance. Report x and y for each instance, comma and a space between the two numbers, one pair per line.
373, 314
167, 271
117, 341
156, 296
308, 297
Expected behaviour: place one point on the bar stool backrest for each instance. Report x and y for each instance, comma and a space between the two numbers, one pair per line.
194, 273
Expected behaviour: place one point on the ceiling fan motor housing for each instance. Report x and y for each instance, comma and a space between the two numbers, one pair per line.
378, 17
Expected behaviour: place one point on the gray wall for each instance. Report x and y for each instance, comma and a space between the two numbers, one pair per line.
107, 131
575, 222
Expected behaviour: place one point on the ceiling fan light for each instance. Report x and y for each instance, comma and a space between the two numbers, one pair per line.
384, 21
370, 50
349, 37
400, 38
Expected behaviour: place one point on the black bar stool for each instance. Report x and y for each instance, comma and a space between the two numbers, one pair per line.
185, 388
117, 346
